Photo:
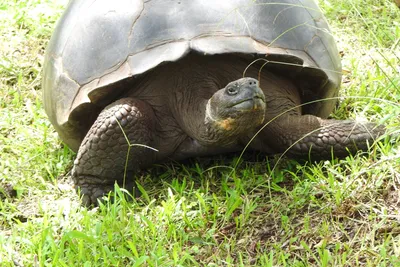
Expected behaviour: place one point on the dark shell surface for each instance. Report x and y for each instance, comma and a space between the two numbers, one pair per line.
99, 43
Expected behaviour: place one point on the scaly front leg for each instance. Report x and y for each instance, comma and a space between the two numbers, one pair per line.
102, 156
310, 136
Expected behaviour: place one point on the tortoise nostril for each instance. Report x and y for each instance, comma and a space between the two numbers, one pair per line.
252, 82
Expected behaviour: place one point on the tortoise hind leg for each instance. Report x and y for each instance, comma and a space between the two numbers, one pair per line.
101, 158
312, 137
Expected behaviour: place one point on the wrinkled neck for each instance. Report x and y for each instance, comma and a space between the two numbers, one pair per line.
197, 119
208, 129
191, 83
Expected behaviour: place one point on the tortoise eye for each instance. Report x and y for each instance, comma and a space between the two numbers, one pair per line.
232, 90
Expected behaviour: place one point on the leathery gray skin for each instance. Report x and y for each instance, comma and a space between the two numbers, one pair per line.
196, 108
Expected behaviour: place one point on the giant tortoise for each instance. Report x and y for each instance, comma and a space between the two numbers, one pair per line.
173, 79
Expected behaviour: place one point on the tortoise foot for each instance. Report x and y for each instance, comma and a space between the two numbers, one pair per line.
116, 146
310, 137
93, 189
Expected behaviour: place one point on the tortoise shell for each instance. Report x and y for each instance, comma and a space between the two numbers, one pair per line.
100, 46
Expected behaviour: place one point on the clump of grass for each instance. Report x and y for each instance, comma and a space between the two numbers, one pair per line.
332, 213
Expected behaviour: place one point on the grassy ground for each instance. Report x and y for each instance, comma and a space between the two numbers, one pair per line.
332, 213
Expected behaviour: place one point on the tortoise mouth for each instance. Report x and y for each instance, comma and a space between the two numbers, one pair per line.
254, 102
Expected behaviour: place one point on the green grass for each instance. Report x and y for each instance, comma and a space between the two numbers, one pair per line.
332, 213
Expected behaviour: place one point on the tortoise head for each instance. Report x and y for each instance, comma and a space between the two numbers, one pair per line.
237, 108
